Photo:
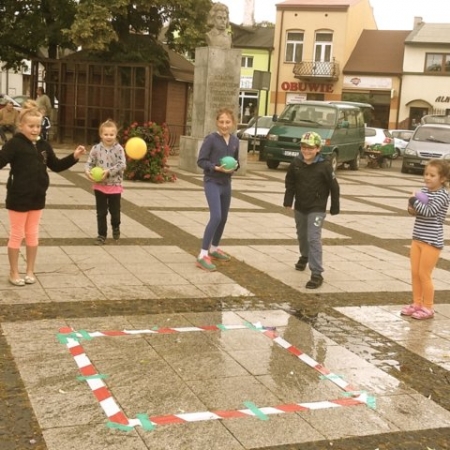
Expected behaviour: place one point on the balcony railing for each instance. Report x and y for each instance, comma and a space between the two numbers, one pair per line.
317, 69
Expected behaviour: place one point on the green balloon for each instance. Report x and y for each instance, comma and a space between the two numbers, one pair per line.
229, 162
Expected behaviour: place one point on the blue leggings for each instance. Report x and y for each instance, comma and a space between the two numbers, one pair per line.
218, 197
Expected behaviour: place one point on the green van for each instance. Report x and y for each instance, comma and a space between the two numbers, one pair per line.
340, 124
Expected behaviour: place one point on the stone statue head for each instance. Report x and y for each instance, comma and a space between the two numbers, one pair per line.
218, 16
218, 20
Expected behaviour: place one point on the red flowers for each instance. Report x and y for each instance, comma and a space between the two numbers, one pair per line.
153, 167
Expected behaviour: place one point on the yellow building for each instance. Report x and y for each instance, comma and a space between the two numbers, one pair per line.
313, 41
256, 44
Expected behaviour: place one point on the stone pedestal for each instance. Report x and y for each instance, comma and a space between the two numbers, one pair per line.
216, 85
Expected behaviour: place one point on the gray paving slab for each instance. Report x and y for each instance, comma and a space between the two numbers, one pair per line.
159, 375
194, 372
241, 225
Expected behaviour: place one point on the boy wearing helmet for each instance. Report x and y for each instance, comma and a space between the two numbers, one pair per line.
310, 180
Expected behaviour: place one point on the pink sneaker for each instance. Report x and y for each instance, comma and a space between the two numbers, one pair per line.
206, 264
423, 314
409, 310
220, 255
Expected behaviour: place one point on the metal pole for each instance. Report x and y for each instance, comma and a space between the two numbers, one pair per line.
256, 122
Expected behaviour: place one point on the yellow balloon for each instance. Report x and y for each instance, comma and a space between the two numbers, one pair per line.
136, 148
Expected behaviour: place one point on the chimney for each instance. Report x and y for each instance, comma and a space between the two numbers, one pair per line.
249, 13
417, 22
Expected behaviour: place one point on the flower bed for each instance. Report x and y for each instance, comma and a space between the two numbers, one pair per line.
153, 166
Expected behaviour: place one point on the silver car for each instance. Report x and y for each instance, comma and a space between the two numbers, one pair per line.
262, 128
429, 141
401, 139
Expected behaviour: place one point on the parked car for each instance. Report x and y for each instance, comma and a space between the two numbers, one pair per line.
5, 98
260, 128
429, 141
21, 99
339, 124
379, 146
401, 139
435, 118
378, 136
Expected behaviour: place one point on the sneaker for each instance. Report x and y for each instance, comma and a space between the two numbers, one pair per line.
409, 310
301, 263
315, 282
206, 264
116, 233
220, 255
423, 314
100, 240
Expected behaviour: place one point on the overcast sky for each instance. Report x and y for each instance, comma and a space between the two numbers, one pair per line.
389, 14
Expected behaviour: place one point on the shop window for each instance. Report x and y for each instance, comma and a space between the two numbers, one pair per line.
248, 101
294, 46
437, 63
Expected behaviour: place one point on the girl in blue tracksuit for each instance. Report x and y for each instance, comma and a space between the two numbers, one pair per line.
217, 185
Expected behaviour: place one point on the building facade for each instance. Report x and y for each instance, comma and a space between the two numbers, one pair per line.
374, 75
426, 72
313, 41
256, 45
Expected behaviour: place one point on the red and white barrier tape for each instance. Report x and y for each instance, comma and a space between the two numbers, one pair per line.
71, 338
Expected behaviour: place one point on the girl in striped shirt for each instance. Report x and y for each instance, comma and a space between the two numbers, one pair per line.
430, 207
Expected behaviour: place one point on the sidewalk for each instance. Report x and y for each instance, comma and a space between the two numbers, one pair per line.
173, 357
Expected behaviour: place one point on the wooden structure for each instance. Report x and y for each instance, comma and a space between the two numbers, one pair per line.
90, 92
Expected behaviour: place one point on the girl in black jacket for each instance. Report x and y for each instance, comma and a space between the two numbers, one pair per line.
28, 157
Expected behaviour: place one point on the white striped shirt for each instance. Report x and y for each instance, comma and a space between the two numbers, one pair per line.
429, 223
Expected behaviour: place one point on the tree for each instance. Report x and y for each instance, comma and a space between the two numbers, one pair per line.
99, 27
27, 26
108, 26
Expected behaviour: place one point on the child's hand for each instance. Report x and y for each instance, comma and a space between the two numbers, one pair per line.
223, 169
411, 211
80, 150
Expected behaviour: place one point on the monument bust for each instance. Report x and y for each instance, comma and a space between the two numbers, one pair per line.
218, 19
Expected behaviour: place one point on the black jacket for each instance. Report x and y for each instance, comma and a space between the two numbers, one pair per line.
311, 185
28, 178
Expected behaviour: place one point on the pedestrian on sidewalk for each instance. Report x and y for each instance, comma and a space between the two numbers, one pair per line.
309, 181
217, 185
45, 125
108, 155
28, 181
429, 206
43, 101
8, 119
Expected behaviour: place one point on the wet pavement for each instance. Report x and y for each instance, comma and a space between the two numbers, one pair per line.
130, 346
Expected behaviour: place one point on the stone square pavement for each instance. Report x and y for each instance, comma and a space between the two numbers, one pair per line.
131, 346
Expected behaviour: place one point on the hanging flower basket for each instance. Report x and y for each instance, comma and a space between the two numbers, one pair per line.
153, 166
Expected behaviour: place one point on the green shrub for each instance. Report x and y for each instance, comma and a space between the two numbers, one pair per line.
153, 166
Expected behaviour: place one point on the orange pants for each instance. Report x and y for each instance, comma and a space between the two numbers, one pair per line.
424, 258
24, 225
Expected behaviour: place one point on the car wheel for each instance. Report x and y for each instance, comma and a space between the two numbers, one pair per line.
355, 164
404, 169
396, 154
271, 164
333, 161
